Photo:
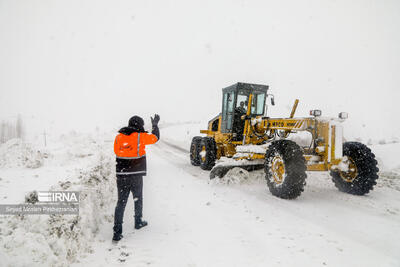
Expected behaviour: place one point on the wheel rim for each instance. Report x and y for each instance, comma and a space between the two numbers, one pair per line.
278, 170
351, 174
203, 153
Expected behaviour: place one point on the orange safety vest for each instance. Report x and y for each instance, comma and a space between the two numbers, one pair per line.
133, 146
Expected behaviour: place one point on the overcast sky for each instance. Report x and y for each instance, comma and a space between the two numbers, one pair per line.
81, 64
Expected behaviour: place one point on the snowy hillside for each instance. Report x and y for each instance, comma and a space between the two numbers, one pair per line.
193, 221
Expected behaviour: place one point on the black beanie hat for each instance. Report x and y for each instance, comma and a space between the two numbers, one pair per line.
136, 121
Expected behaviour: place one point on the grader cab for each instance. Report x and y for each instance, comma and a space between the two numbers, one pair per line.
242, 135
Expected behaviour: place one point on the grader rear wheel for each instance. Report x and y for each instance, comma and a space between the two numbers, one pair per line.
207, 153
194, 151
285, 169
278, 169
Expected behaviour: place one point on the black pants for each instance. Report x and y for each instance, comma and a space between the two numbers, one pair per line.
125, 185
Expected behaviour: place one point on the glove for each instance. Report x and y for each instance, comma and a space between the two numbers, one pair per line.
155, 120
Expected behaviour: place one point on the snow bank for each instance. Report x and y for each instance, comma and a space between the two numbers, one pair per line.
77, 144
59, 240
15, 153
233, 176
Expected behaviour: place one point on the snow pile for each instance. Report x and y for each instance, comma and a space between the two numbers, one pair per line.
224, 161
239, 175
235, 176
259, 149
15, 153
303, 138
59, 240
76, 146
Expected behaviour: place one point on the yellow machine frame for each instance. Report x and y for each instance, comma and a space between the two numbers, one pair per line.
324, 152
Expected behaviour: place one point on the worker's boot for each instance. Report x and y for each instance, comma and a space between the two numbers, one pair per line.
117, 233
139, 223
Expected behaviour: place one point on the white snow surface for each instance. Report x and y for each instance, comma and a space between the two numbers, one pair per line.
193, 221
15, 153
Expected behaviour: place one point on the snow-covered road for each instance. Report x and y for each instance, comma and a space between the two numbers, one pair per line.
195, 222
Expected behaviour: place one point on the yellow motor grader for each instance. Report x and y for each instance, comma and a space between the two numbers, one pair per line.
242, 135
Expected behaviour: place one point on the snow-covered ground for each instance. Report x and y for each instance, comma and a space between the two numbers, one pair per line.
193, 221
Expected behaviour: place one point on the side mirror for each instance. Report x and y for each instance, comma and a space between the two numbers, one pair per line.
273, 101
343, 115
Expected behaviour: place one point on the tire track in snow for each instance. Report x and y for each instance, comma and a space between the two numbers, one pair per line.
178, 157
183, 150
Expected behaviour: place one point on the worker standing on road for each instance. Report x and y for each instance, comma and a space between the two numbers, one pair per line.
129, 148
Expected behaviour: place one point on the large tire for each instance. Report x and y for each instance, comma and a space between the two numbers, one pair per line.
363, 170
194, 151
208, 153
285, 169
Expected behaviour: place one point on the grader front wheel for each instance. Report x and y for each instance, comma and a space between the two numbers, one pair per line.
362, 172
285, 169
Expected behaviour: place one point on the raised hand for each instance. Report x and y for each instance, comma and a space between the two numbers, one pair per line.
155, 120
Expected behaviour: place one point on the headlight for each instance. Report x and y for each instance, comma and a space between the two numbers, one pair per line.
315, 112
343, 115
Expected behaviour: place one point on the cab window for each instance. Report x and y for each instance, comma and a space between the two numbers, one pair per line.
214, 125
228, 106
257, 104
241, 104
